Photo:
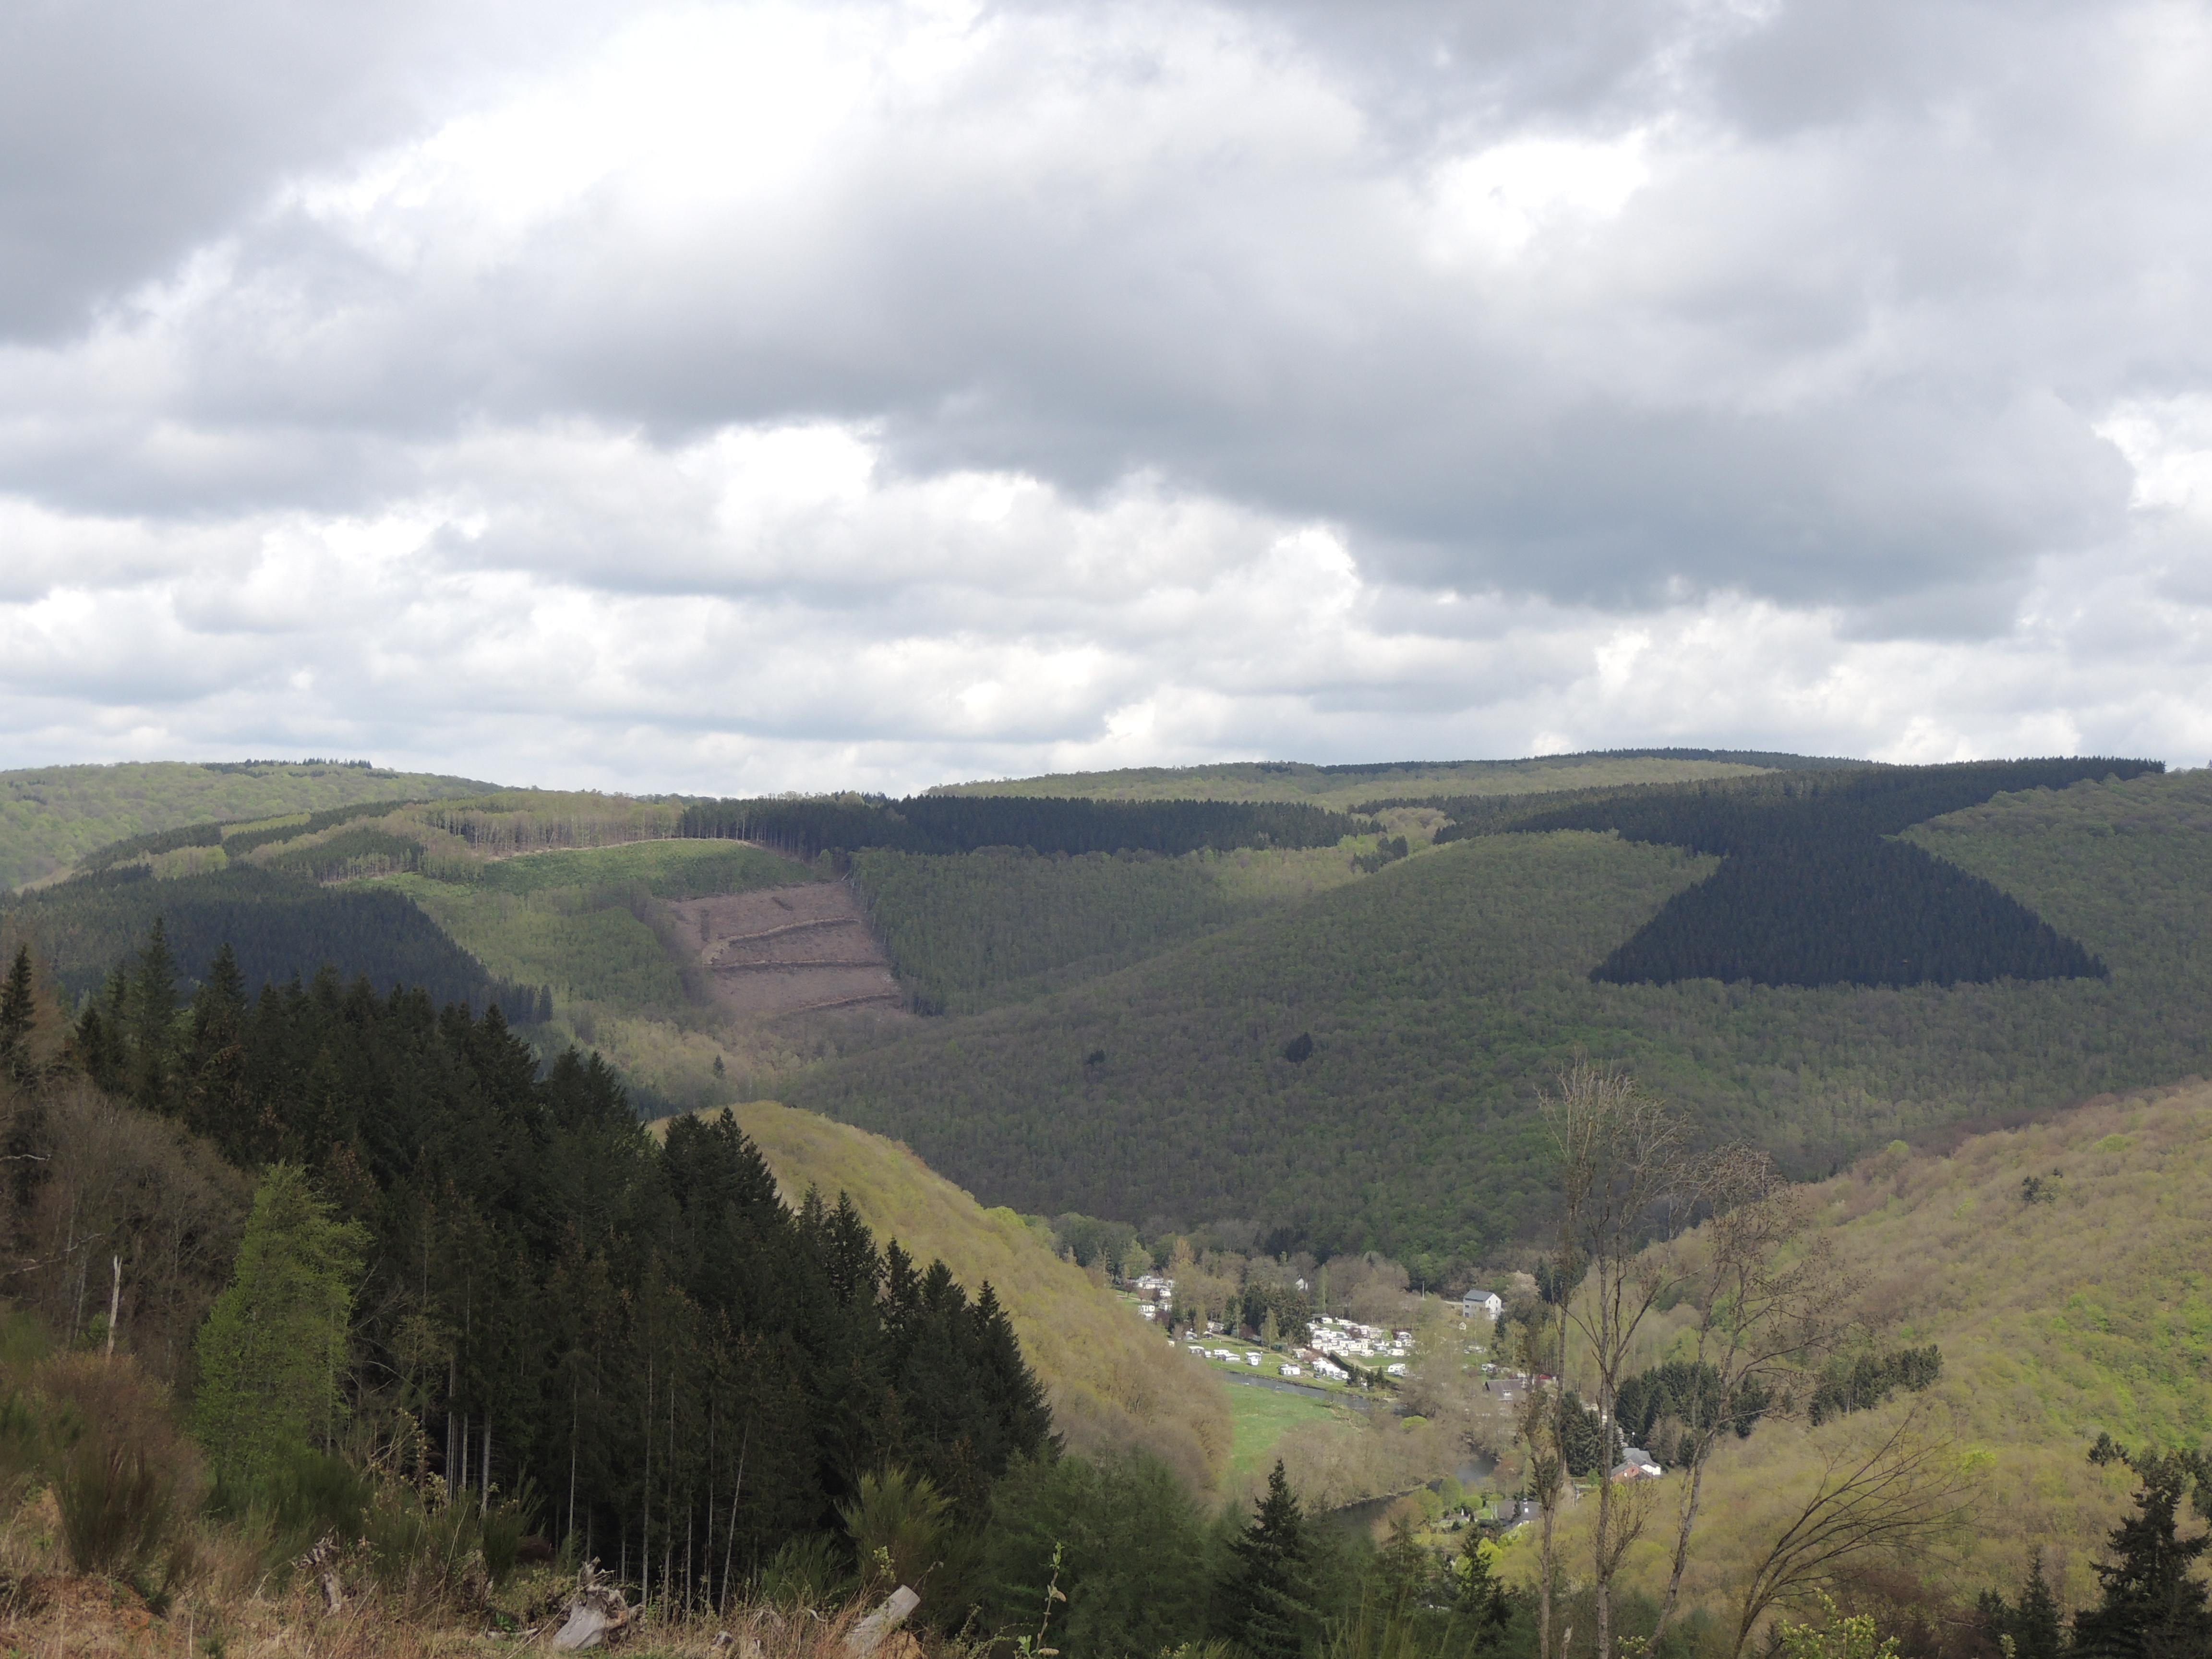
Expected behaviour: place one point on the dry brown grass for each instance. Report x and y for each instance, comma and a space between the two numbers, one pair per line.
237, 1608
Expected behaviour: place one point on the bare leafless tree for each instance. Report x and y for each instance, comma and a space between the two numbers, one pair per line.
1769, 1297
1624, 1168
1901, 1494
1536, 1417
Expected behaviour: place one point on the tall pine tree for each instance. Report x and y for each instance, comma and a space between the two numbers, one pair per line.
1268, 1602
18, 1014
2153, 1606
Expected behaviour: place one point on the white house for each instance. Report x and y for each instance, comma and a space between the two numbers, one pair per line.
1488, 1303
1637, 1464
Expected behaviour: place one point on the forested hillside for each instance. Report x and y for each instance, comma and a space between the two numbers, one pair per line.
1811, 889
51, 816
2058, 1267
1440, 994
549, 905
1113, 1383
1344, 787
278, 928
524, 1281
1006, 924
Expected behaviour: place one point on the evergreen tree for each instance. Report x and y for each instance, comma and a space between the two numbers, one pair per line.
273, 1351
1482, 1599
1584, 1442
2037, 1630
18, 1013
1132, 1545
2154, 1606
212, 1080
153, 1009
1403, 1570
2035, 1627
1268, 1599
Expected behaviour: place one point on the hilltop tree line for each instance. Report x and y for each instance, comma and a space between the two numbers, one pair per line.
1810, 892
962, 823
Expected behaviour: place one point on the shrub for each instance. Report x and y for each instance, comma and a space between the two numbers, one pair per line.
306, 1496
116, 1502
421, 1545
807, 1571
902, 1528
502, 1531
121, 1474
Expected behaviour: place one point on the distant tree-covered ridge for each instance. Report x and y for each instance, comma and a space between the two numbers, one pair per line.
1342, 784
1811, 890
51, 816
1442, 994
956, 824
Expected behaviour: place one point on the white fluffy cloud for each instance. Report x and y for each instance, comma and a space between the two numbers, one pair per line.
744, 397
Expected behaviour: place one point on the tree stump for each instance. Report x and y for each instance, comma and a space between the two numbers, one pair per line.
598, 1614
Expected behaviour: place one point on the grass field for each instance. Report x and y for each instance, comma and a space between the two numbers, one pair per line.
1259, 1418
666, 869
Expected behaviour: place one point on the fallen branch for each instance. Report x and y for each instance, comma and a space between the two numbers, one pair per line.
882, 1622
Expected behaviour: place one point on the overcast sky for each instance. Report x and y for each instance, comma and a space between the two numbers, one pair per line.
751, 397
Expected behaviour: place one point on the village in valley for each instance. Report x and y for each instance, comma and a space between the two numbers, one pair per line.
1327, 1350
1329, 1355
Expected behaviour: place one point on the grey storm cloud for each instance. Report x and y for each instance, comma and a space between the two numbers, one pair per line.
1568, 316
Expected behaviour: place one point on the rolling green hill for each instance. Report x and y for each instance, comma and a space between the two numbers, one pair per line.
1343, 787
1443, 993
52, 816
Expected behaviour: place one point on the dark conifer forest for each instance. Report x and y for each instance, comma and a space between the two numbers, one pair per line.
1810, 891
957, 823
279, 925
550, 1293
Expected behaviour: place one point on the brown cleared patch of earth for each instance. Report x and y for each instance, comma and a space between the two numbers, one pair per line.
803, 949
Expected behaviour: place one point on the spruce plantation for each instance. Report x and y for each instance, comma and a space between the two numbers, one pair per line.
1650, 1205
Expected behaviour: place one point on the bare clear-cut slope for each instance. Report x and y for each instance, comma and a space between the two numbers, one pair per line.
788, 949
1113, 1380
